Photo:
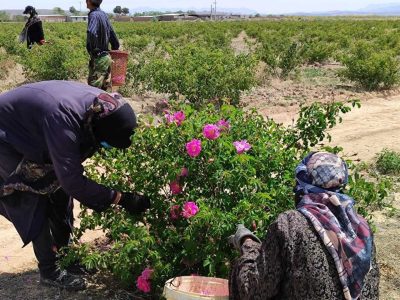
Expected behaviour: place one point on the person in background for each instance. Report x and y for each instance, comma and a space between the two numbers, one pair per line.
33, 30
100, 34
321, 250
47, 129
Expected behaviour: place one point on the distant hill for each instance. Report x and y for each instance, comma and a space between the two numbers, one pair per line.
390, 9
243, 11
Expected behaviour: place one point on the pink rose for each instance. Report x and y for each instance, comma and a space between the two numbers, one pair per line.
143, 284
146, 274
174, 212
190, 209
175, 188
211, 131
223, 125
169, 118
184, 172
242, 146
179, 117
143, 281
193, 148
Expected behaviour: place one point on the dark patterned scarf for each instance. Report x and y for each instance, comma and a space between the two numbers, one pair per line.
346, 235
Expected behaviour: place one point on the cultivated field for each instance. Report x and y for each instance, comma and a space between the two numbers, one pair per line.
275, 67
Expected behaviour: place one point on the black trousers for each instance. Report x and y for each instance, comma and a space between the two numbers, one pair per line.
55, 234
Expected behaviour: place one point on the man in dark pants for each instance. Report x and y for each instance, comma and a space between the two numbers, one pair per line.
100, 33
47, 129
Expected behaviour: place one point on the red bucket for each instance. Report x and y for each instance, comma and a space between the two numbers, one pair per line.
118, 67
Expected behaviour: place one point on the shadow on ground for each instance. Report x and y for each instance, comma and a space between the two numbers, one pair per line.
26, 286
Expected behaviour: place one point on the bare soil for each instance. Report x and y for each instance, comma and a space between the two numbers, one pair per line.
364, 132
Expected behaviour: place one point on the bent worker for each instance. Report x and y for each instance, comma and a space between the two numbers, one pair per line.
322, 250
47, 129
33, 30
100, 34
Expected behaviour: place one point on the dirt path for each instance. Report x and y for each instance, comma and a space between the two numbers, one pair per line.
364, 132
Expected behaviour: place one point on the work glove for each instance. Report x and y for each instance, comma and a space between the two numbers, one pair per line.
134, 203
238, 238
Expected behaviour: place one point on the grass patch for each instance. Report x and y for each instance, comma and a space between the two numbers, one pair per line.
388, 162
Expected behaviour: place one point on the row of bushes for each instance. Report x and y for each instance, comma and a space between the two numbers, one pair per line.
196, 61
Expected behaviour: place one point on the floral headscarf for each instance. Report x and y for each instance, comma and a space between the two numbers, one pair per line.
319, 180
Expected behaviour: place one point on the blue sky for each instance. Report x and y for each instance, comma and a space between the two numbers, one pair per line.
262, 6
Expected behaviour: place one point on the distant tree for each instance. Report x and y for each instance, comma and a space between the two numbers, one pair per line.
257, 15
58, 11
117, 10
4, 17
125, 11
73, 10
19, 18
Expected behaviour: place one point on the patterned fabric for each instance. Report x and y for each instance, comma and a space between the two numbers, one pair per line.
100, 72
292, 263
346, 235
31, 177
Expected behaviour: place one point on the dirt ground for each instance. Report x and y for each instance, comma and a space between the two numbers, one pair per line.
363, 133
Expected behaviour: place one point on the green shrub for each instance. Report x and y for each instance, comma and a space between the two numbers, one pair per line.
199, 74
61, 59
388, 162
371, 67
229, 188
283, 59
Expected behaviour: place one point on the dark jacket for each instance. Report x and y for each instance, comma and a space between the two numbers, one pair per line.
32, 32
43, 122
100, 33
292, 264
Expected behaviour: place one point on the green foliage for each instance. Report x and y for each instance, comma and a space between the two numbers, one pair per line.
282, 59
314, 120
229, 188
388, 162
371, 67
198, 74
368, 195
59, 60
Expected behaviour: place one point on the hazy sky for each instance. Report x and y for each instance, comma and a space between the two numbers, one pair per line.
262, 6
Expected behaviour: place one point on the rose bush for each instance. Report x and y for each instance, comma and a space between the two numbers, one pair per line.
201, 188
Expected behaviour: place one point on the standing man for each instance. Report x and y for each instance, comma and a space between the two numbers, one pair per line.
99, 34
47, 129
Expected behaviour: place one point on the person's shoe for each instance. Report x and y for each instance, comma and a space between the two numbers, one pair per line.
66, 281
78, 269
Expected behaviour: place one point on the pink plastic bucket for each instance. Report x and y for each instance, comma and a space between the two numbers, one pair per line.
196, 287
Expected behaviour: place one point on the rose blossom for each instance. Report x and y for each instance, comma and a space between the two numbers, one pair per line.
174, 212
242, 146
143, 281
211, 131
190, 209
175, 188
179, 117
193, 148
223, 125
169, 118
184, 172
143, 285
